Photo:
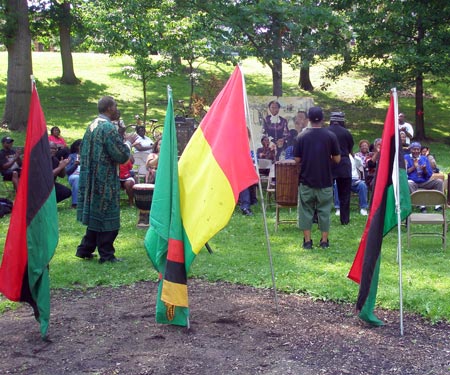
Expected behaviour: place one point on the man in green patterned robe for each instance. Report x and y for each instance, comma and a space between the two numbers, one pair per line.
102, 150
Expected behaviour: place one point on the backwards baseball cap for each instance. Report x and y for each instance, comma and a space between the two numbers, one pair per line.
7, 140
337, 116
415, 145
315, 114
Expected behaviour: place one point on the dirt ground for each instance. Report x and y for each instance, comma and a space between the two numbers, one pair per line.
234, 330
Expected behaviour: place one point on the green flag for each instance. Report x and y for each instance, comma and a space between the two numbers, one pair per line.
164, 239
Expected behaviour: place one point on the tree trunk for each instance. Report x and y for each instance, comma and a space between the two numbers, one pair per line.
18, 89
305, 81
277, 77
144, 91
420, 122
68, 73
277, 63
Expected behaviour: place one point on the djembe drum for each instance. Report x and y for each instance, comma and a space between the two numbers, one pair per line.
143, 195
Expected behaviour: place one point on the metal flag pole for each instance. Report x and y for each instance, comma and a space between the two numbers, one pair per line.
396, 183
249, 119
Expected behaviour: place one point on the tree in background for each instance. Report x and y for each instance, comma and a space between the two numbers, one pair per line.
399, 43
320, 34
274, 31
56, 17
15, 34
133, 28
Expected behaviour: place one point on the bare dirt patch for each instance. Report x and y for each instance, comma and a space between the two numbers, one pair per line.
234, 330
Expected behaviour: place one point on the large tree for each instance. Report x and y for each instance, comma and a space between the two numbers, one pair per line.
57, 17
15, 34
281, 30
400, 43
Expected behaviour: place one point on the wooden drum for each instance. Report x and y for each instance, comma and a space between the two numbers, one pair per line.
286, 183
143, 195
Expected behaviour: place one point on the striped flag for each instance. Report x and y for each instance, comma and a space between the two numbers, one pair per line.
164, 240
33, 230
214, 168
382, 218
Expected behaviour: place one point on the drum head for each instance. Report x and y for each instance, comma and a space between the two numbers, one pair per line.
144, 186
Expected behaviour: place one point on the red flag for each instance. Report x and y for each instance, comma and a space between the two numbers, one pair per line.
33, 230
381, 220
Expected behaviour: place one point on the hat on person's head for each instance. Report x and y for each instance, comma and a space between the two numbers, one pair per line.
315, 114
7, 140
415, 145
337, 117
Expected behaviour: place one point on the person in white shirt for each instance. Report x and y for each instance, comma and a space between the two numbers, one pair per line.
405, 127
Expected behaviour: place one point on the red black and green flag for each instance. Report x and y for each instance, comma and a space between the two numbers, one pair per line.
33, 230
382, 218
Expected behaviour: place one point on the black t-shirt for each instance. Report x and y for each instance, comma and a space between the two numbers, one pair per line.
4, 158
345, 139
314, 147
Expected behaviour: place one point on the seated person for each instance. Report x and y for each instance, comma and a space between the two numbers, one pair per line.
73, 170
152, 163
55, 137
425, 151
126, 177
59, 170
420, 172
283, 151
247, 198
371, 163
10, 162
266, 151
358, 186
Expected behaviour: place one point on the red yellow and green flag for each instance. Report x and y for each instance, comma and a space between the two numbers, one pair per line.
195, 199
382, 218
33, 230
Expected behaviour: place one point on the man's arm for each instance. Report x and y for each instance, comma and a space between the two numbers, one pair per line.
336, 158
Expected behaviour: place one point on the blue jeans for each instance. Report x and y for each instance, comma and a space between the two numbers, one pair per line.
359, 187
73, 181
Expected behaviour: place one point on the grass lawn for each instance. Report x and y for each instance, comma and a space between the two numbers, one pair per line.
240, 250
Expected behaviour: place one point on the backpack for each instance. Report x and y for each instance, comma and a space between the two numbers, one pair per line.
5, 206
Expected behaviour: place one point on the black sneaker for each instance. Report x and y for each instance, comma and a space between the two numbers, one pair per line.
85, 256
111, 260
247, 212
324, 244
307, 245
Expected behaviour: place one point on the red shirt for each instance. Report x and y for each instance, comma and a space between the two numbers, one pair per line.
124, 170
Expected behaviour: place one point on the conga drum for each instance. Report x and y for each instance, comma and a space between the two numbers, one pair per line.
143, 195
286, 183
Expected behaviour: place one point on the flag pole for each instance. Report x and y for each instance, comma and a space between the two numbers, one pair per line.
249, 120
397, 206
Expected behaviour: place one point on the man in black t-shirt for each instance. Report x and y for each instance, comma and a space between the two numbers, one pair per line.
342, 172
316, 149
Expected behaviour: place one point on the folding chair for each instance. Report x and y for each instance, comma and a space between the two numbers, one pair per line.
263, 171
286, 188
140, 160
428, 198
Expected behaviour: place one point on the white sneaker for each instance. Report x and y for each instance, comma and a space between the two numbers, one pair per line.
363, 212
338, 212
